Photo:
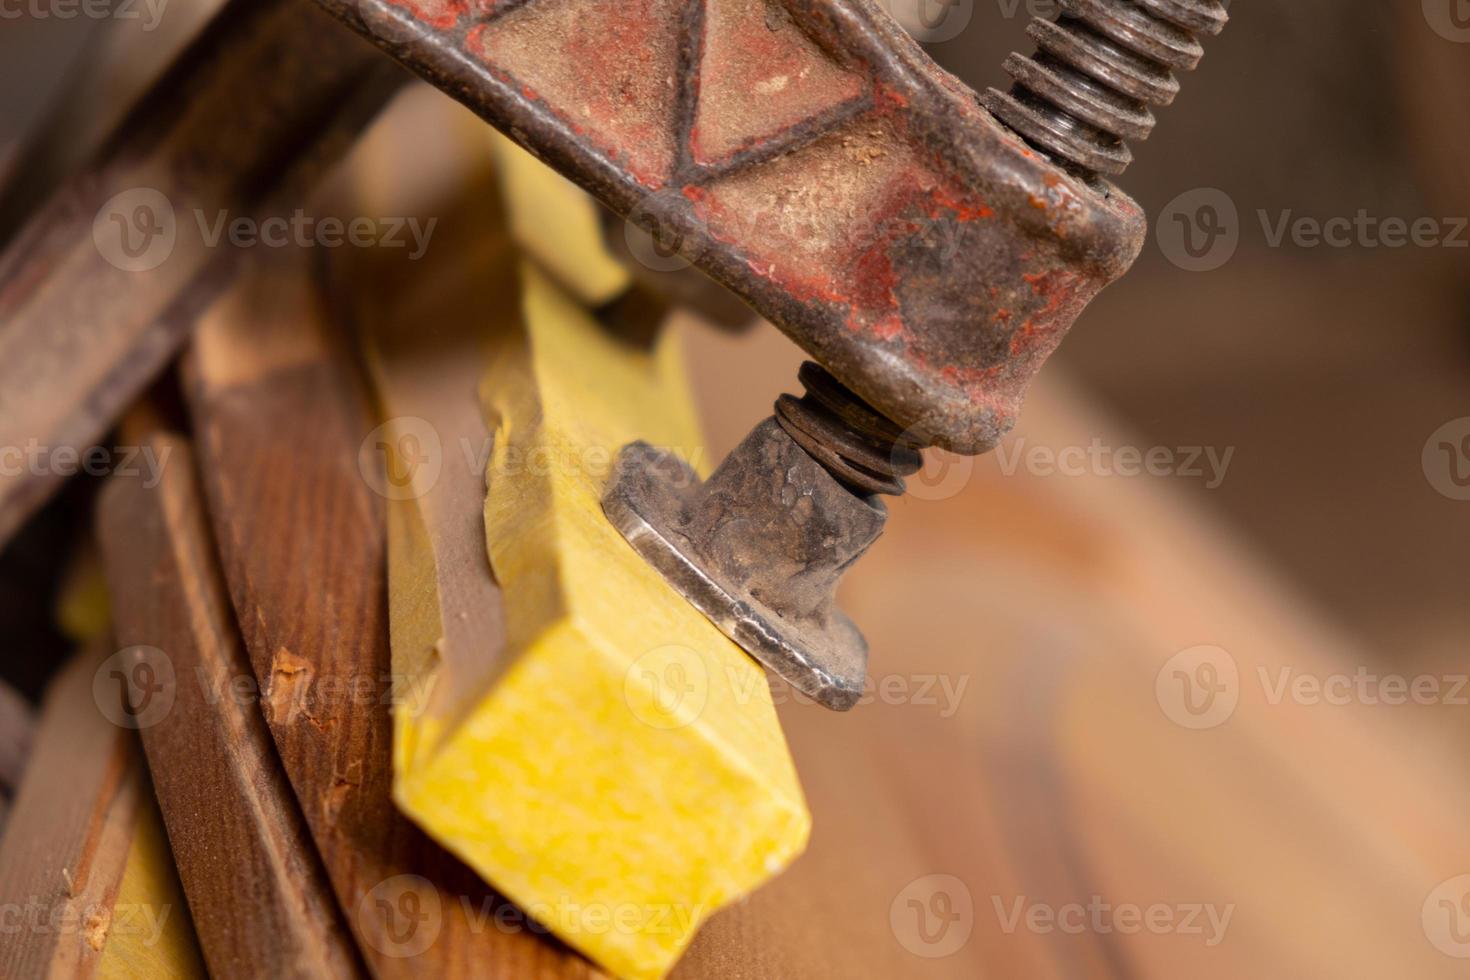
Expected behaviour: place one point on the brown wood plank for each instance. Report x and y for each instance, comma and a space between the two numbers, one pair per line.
259, 896
269, 93
70, 843
282, 418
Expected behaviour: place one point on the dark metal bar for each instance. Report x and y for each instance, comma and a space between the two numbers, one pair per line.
98, 289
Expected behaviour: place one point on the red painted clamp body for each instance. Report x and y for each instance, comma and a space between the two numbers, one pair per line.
809, 156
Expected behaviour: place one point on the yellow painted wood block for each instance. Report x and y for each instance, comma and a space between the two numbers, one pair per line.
159, 940
558, 225
624, 775
85, 866
147, 933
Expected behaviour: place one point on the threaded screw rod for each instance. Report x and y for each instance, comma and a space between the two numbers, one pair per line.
1099, 68
860, 448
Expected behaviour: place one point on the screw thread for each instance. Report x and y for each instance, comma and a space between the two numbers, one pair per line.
858, 446
1099, 68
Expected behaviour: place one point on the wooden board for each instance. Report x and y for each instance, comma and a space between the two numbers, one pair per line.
535, 740
99, 288
86, 878
283, 425
258, 894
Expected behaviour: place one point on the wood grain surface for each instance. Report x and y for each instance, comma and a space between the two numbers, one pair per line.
86, 884
259, 896
283, 425
1019, 744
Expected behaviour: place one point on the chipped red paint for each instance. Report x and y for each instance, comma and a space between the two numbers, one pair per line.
442, 15
962, 211
759, 76
852, 192
887, 98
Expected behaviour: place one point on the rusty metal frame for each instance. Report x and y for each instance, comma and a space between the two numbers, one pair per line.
945, 358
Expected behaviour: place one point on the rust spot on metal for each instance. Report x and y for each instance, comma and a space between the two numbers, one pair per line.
806, 154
